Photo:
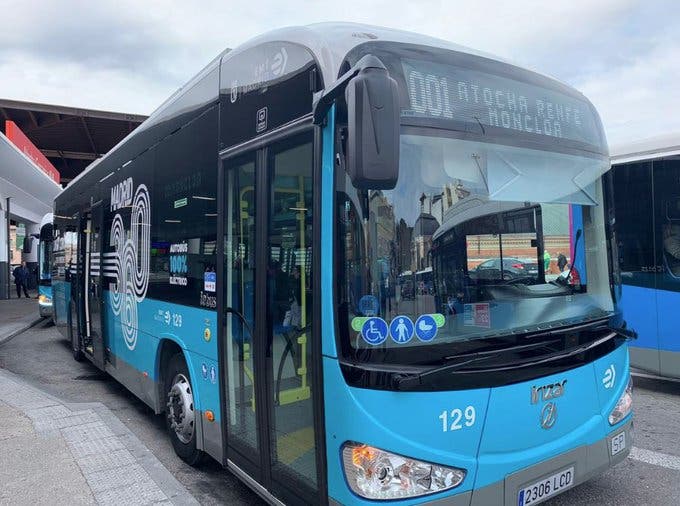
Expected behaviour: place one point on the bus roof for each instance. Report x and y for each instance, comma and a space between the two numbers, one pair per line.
328, 42
46, 220
646, 149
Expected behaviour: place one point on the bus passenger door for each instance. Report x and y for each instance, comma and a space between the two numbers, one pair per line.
266, 311
90, 285
238, 329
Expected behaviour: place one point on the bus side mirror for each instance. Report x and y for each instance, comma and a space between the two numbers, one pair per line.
373, 129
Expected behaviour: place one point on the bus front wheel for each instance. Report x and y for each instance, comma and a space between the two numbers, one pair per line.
179, 411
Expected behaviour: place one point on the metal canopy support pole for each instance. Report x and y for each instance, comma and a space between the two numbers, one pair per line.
9, 257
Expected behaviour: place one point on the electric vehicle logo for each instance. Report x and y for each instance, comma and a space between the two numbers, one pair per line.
609, 377
130, 262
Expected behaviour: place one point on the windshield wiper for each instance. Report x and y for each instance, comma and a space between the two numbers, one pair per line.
418, 379
409, 380
624, 332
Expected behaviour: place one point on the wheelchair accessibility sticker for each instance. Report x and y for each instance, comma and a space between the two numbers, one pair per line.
374, 331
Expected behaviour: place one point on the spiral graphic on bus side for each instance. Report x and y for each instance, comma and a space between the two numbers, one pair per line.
117, 241
131, 262
140, 230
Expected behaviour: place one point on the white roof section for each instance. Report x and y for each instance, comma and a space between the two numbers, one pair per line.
32, 191
328, 42
646, 149
47, 219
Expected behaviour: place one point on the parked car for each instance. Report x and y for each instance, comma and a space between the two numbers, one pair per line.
513, 268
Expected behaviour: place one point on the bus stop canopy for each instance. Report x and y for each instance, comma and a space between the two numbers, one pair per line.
31, 191
70, 137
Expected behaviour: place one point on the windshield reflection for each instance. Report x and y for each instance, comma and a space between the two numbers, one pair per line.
468, 238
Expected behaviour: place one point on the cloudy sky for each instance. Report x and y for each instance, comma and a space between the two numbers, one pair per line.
129, 55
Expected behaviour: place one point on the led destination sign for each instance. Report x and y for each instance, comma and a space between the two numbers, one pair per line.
455, 93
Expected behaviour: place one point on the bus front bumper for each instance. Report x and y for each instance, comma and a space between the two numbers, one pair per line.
45, 309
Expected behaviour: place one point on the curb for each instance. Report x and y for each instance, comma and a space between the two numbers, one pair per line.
96, 438
13, 334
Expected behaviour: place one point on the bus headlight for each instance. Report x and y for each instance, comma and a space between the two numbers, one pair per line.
624, 406
377, 474
45, 300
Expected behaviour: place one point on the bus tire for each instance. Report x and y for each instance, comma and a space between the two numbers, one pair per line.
179, 410
75, 340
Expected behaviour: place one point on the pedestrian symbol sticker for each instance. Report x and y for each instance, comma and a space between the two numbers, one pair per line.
401, 329
374, 331
426, 328
213, 374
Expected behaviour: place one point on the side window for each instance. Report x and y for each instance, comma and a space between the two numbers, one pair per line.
70, 253
667, 215
634, 209
57, 254
184, 215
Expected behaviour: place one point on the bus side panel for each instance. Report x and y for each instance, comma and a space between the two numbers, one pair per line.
639, 307
136, 364
668, 303
132, 363
62, 296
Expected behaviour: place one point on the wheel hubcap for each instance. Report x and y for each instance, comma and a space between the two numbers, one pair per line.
181, 408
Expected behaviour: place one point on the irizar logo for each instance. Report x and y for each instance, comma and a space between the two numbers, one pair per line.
128, 264
609, 377
121, 195
547, 392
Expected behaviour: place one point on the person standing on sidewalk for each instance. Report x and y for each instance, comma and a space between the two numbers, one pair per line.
21, 275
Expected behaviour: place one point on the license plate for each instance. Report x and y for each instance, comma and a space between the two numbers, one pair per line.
547, 487
618, 443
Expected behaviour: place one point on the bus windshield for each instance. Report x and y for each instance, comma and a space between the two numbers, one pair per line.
477, 240
44, 262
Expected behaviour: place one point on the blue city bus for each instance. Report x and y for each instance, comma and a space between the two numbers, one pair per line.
45, 245
646, 208
234, 262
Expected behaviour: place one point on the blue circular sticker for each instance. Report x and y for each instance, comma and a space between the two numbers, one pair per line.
401, 329
369, 305
374, 331
426, 328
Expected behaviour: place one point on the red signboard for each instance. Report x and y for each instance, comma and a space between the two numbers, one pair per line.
19, 139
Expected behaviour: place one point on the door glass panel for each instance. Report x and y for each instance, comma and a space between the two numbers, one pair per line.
93, 286
239, 289
290, 309
85, 273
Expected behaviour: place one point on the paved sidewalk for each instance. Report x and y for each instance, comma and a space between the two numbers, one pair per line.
53, 452
16, 315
